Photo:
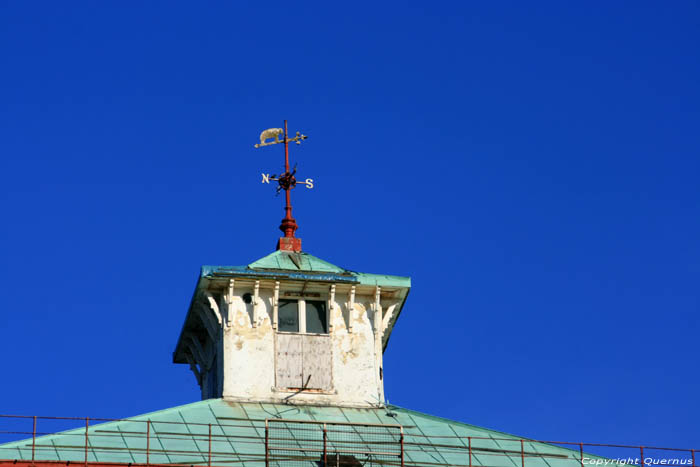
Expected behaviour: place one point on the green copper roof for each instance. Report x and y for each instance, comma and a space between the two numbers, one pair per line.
303, 266
295, 262
181, 435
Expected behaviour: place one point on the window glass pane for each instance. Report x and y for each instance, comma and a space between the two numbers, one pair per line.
288, 316
316, 317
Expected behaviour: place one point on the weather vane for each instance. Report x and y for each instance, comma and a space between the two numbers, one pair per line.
286, 181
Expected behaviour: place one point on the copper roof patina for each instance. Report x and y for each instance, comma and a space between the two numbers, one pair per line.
181, 435
303, 266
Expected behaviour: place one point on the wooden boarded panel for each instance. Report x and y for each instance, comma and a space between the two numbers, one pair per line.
289, 361
317, 362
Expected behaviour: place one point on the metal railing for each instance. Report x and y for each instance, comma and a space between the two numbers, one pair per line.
293, 442
237, 441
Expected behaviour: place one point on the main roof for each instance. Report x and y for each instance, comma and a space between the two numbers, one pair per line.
181, 435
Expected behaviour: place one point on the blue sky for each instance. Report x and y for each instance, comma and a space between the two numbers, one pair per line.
533, 167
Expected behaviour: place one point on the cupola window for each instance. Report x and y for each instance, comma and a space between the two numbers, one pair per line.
288, 316
316, 321
303, 316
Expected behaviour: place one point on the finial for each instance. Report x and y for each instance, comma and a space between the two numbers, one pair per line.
286, 181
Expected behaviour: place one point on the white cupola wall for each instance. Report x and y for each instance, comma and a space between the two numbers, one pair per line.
291, 327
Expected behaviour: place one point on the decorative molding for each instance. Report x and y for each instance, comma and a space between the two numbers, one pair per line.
389, 315
379, 357
275, 305
206, 320
331, 302
351, 307
193, 367
200, 355
256, 299
378, 311
229, 303
210, 353
213, 305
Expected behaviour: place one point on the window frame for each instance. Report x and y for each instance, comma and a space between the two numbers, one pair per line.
301, 315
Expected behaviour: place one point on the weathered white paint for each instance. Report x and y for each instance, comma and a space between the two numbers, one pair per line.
388, 316
289, 361
245, 355
378, 333
316, 362
351, 311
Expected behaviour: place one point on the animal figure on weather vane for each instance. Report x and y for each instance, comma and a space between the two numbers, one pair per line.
286, 181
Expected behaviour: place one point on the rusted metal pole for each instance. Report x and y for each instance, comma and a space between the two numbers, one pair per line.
325, 432
692, 454
209, 462
288, 206
87, 425
289, 224
522, 453
33, 438
148, 442
580, 449
469, 447
286, 151
641, 450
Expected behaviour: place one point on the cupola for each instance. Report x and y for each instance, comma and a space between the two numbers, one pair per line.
290, 326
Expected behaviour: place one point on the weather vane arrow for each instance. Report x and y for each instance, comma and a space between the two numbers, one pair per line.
286, 181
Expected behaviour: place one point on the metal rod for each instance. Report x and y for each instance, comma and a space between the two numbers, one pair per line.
345, 451
289, 224
325, 445
286, 149
469, 439
692, 454
87, 425
148, 442
314, 422
267, 444
209, 461
522, 452
33, 438
580, 446
288, 207
641, 450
